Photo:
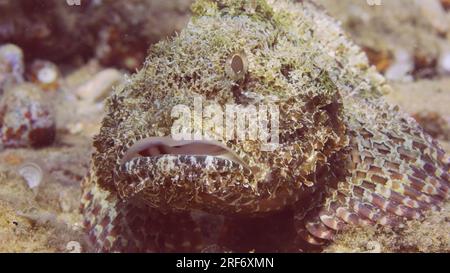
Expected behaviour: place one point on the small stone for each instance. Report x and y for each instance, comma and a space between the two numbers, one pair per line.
65, 201
444, 62
11, 65
402, 67
100, 86
373, 247
75, 128
45, 74
73, 247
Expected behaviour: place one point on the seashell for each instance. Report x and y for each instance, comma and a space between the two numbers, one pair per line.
32, 173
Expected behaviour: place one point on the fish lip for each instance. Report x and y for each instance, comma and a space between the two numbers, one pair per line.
221, 186
167, 163
158, 147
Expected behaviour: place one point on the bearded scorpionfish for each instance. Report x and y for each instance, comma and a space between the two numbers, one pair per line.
344, 158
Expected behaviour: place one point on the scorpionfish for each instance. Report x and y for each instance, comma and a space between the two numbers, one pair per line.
344, 156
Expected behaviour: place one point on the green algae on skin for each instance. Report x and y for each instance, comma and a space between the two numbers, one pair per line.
257, 9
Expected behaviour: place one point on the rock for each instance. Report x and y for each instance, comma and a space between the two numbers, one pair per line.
26, 118
11, 65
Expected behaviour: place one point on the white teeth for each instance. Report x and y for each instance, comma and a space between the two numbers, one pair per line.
193, 160
154, 146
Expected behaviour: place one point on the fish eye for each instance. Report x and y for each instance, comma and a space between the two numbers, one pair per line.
237, 65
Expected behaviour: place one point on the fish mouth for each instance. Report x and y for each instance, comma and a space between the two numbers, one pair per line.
203, 175
159, 147
182, 174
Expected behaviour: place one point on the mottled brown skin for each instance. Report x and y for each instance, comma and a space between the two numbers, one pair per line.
345, 156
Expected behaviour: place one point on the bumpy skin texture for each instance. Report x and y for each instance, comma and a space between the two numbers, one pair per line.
345, 156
